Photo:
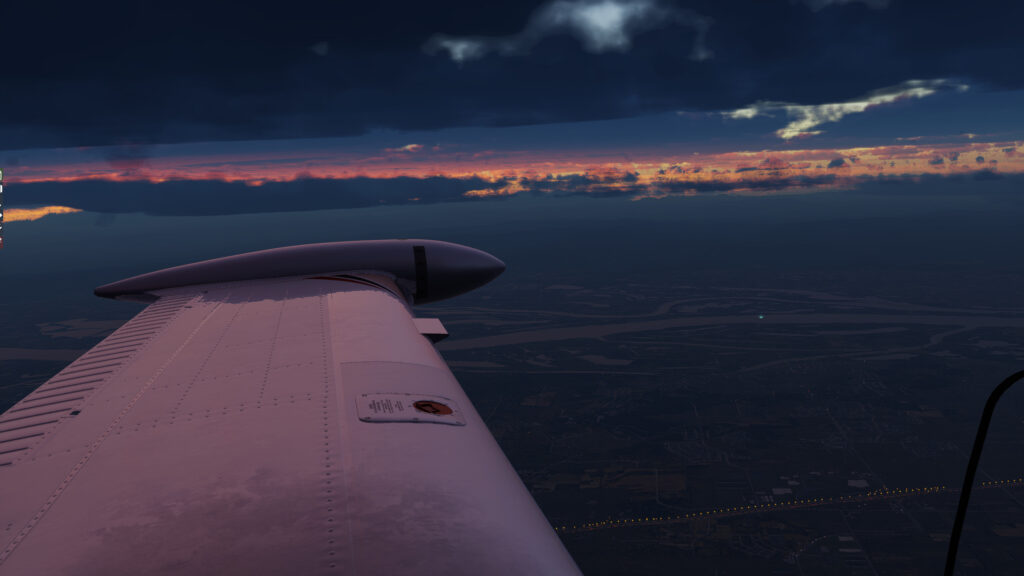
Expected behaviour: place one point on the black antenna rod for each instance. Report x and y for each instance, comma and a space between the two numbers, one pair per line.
972, 468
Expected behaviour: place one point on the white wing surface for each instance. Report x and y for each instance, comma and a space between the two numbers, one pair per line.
301, 423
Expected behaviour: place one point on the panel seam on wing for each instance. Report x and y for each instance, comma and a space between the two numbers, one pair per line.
73, 385
20, 537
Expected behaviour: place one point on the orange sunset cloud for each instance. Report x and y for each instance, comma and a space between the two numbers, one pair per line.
30, 214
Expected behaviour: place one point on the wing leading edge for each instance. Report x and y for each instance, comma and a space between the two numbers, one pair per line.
299, 424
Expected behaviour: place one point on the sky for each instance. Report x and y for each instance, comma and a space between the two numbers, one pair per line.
331, 105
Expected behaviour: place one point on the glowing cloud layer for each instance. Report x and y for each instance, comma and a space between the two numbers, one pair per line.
31, 214
331, 175
803, 118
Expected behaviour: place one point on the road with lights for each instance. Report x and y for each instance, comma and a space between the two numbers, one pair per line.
874, 495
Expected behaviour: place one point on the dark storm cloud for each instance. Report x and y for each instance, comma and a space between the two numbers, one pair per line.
148, 72
614, 184
677, 169
213, 198
993, 175
209, 197
627, 185
127, 159
774, 165
763, 184
940, 184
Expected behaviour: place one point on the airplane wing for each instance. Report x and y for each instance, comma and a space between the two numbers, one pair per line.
278, 412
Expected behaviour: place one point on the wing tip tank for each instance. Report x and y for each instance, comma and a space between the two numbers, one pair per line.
427, 270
